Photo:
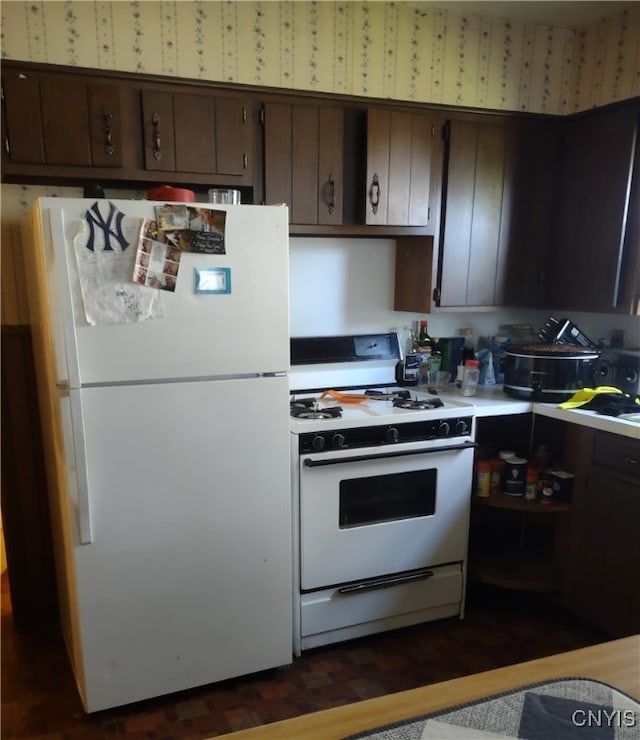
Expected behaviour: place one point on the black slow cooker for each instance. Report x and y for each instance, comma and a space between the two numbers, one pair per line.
548, 372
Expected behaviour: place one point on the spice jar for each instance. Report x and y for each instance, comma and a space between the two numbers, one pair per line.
483, 478
496, 474
531, 491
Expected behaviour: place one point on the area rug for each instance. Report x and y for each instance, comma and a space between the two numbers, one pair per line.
563, 709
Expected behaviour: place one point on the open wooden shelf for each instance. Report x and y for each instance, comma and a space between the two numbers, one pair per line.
520, 503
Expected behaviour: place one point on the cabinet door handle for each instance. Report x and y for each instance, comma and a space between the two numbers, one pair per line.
630, 460
108, 118
155, 120
331, 194
374, 193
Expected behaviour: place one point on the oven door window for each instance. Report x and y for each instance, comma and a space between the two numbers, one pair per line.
385, 498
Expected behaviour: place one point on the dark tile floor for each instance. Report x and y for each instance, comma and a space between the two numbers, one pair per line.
39, 699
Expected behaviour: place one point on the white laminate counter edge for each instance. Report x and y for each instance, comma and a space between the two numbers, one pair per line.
493, 401
589, 419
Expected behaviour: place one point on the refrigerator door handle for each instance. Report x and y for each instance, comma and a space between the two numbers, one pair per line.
66, 344
85, 528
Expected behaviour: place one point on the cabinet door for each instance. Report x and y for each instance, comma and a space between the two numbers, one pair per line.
529, 197
194, 127
58, 120
304, 161
233, 137
593, 210
605, 579
22, 121
472, 238
192, 133
399, 159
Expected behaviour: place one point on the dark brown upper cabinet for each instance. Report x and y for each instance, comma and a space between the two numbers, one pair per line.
303, 148
594, 261
527, 215
204, 134
61, 120
472, 241
495, 219
401, 148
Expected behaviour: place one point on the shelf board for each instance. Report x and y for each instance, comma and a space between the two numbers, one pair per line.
520, 503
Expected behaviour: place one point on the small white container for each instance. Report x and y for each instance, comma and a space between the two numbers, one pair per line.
224, 196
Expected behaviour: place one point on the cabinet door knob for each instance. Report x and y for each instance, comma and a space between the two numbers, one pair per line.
630, 460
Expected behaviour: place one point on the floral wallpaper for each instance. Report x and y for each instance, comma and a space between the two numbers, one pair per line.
392, 50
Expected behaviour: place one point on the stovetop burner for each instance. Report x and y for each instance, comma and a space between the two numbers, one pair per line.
303, 413
416, 403
307, 408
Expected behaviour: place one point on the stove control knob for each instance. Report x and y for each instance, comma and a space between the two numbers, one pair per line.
392, 434
337, 441
444, 429
462, 427
317, 443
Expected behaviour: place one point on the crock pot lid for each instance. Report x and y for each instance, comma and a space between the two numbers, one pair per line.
550, 351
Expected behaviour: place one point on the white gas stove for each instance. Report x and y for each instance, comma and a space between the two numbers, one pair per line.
381, 477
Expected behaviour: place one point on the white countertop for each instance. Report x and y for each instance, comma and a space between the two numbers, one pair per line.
491, 400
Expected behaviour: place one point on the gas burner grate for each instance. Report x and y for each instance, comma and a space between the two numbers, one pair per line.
330, 413
307, 408
417, 404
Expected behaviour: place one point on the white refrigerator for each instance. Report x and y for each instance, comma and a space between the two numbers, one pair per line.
167, 446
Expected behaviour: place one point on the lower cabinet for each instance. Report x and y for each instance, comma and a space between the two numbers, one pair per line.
516, 543
603, 578
586, 551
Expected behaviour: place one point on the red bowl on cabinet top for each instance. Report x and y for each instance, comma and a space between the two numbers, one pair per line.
167, 192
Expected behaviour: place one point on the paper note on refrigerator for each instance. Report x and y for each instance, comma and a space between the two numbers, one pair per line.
105, 245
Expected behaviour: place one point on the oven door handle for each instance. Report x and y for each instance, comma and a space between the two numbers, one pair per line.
385, 582
309, 463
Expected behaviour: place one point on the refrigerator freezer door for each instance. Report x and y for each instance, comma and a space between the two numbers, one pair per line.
188, 579
240, 332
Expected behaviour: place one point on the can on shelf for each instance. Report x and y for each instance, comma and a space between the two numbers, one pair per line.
514, 479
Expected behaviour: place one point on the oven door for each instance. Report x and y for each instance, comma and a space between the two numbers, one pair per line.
368, 512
